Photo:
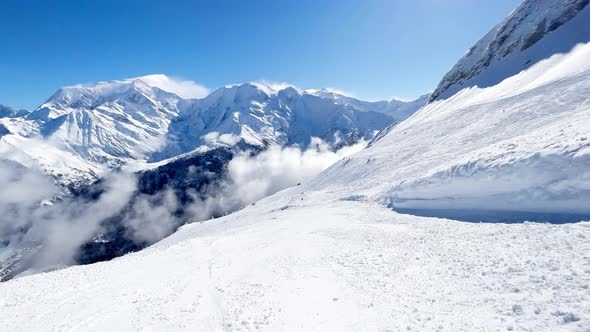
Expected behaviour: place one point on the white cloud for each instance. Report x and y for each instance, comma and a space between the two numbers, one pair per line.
227, 139
252, 177
182, 88
55, 232
277, 168
276, 85
342, 92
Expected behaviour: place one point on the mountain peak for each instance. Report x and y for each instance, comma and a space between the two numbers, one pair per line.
535, 31
9, 112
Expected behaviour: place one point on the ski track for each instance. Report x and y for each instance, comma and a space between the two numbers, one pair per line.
293, 264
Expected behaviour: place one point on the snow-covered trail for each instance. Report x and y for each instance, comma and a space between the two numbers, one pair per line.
309, 261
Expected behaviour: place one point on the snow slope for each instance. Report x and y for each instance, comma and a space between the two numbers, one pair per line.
308, 261
536, 30
522, 145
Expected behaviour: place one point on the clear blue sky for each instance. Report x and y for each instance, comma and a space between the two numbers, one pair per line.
374, 49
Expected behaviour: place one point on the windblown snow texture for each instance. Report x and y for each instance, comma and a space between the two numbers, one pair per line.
520, 146
536, 30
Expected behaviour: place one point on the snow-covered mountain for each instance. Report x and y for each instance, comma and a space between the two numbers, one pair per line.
109, 121
108, 124
83, 132
536, 30
398, 109
519, 146
260, 115
9, 112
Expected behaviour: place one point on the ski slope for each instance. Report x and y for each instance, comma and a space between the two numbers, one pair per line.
309, 261
522, 146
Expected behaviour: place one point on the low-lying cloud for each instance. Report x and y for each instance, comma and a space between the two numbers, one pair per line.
253, 177
54, 232
29, 222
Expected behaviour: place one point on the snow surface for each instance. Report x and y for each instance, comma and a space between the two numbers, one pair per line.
536, 30
309, 261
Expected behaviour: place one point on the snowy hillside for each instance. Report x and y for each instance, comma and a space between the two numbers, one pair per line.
308, 261
536, 30
521, 145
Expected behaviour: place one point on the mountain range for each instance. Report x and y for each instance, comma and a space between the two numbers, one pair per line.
468, 211
96, 127
85, 134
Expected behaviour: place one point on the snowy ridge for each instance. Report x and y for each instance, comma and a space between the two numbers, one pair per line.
108, 121
536, 30
398, 109
260, 116
521, 145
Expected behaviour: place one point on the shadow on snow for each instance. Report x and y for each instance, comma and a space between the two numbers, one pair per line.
489, 216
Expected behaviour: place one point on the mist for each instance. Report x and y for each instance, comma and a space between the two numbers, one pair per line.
37, 218
253, 177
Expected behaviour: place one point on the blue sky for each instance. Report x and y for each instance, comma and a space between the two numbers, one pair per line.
372, 49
